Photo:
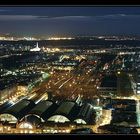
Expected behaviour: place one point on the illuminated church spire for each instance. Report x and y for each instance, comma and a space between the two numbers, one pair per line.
37, 45
36, 48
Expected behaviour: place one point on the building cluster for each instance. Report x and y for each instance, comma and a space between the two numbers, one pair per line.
123, 111
124, 116
56, 76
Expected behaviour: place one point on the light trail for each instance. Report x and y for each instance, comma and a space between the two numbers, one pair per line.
65, 82
59, 81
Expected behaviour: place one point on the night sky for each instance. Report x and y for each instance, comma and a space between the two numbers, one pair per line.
69, 21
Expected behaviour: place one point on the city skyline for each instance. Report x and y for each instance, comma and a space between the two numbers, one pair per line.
68, 21
69, 70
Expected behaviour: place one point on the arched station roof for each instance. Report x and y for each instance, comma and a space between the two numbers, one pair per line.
20, 109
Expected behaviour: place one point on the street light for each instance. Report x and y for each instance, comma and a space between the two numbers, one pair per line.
118, 72
98, 100
118, 82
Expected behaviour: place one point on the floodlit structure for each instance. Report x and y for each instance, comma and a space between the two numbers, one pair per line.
70, 112
41, 112
64, 113
17, 111
36, 49
86, 114
27, 114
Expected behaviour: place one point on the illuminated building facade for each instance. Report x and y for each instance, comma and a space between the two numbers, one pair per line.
138, 83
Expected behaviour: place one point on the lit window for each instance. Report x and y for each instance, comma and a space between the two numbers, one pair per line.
80, 121
26, 125
59, 118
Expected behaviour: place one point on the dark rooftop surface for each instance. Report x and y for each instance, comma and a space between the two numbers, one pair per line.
109, 81
20, 108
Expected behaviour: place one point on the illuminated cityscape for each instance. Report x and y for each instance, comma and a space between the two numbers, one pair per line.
68, 84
